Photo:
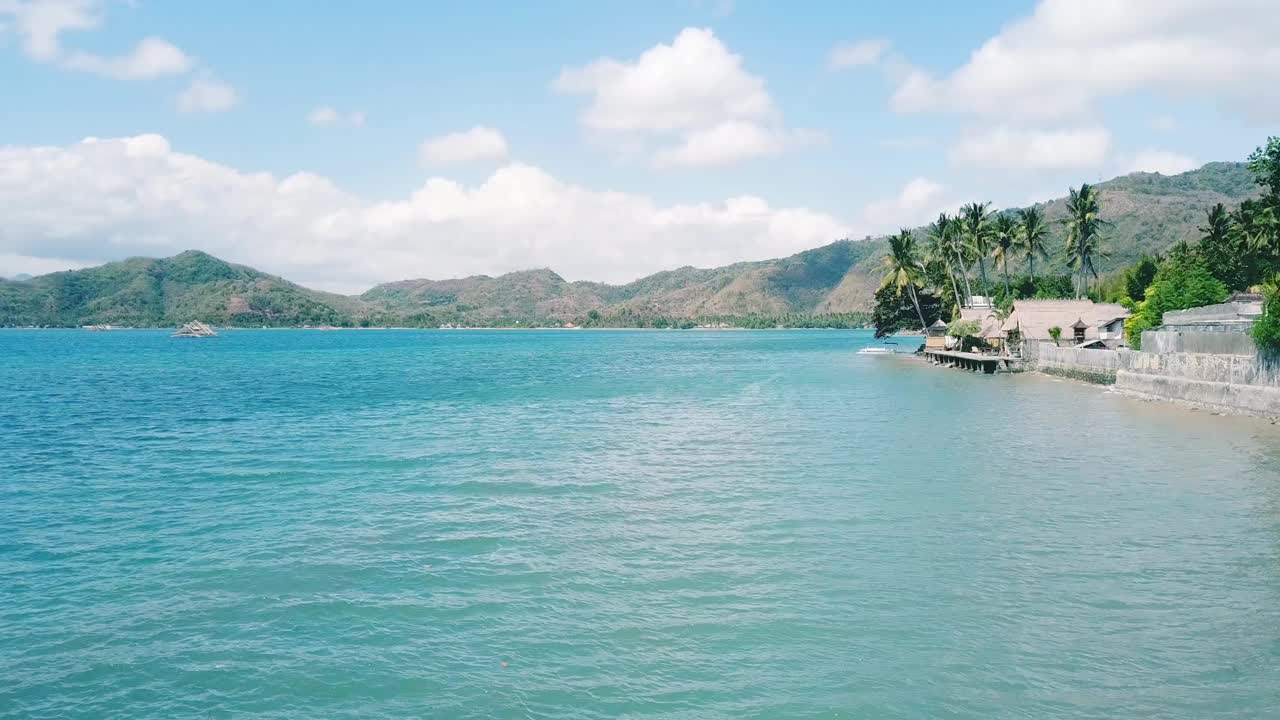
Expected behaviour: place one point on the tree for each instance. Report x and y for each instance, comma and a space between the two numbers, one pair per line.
894, 311
1138, 277
1031, 239
1264, 163
1084, 234
941, 232
902, 269
975, 221
1224, 255
1182, 282
1266, 330
1004, 232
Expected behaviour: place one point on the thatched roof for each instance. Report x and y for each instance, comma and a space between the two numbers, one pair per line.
987, 320
1033, 318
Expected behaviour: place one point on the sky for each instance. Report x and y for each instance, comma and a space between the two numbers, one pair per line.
346, 144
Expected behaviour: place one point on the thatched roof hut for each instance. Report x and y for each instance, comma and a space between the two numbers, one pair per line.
1033, 318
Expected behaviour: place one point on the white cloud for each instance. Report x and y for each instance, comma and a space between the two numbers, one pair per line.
919, 201
105, 199
863, 52
1162, 161
690, 103
207, 94
692, 83
479, 144
723, 144
1071, 53
325, 116
1010, 148
40, 23
153, 57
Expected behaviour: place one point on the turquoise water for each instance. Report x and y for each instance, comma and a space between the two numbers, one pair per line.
397, 524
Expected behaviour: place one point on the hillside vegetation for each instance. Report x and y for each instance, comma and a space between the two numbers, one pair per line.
833, 285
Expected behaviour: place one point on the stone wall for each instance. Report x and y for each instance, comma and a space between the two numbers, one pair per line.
1224, 317
1215, 342
1233, 383
1097, 366
1238, 384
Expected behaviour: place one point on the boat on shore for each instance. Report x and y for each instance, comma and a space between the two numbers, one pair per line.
880, 350
194, 329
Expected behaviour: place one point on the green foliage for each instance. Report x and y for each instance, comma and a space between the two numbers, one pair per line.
1138, 277
1031, 236
963, 328
1225, 254
1183, 281
1266, 331
1055, 332
1264, 163
894, 311
1084, 234
1004, 233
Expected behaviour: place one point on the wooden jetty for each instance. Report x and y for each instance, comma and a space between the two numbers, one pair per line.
974, 362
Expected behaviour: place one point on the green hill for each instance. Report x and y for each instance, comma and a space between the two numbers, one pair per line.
145, 292
1149, 213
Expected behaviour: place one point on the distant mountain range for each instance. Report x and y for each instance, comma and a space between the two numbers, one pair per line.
1149, 213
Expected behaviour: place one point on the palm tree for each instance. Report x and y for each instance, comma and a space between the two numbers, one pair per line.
902, 269
941, 233
1217, 225
1004, 233
1032, 237
975, 221
1084, 234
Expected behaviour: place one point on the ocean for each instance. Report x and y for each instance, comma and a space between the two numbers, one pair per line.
583, 525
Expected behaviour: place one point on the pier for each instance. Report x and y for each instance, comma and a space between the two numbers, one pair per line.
974, 362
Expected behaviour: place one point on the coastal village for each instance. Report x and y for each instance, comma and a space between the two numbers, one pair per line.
1202, 356
1199, 324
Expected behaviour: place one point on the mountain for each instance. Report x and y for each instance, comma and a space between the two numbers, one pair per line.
147, 292
1149, 213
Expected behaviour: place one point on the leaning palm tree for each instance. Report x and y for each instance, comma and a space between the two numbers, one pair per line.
939, 251
1031, 239
1084, 234
1004, 236
902, 269
976, 223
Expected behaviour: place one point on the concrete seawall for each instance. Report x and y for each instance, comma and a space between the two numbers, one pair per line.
1095, 366
1236, 383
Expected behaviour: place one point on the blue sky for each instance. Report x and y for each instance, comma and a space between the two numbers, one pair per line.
605, 140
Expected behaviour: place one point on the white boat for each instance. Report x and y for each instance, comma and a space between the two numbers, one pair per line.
882, 350
195, 329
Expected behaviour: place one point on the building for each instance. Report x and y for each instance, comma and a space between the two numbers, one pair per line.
1079, 322
1222, 329
936, 336
990, 326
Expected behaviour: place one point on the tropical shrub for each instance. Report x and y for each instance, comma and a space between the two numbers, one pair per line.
963, 328
1266, 331
1182, 282
1055, 332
